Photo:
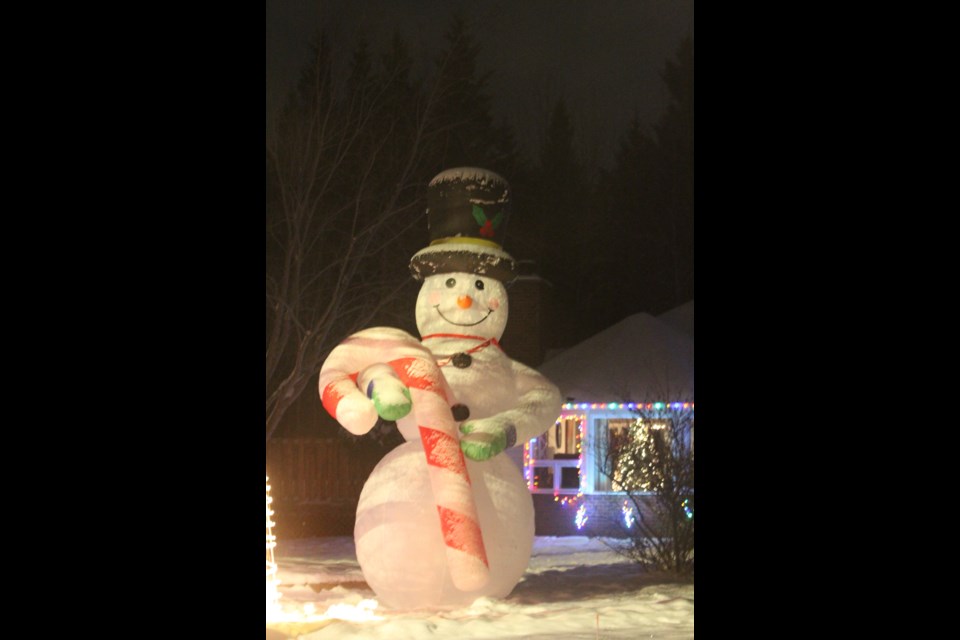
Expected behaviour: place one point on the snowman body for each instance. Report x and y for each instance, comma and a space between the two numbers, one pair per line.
460, 316
398, 538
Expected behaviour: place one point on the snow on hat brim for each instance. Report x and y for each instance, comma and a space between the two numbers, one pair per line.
470, 256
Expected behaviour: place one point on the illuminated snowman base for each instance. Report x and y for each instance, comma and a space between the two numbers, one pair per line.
398, 539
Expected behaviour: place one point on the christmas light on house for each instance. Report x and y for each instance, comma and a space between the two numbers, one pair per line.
568, 500
528, 462
642, 467
533, 480
628, 518
581, 518
647, 438
656, 406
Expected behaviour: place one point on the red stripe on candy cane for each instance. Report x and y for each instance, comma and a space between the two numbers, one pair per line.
462, 533
333, 393
417, 373
443, 451
459, 522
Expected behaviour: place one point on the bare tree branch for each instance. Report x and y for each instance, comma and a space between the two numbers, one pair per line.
349, 183
653, 463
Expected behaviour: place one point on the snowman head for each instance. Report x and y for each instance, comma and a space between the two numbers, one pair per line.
462, 303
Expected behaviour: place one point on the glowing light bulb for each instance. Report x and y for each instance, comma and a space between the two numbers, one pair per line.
273, 595
581, 518
628, 515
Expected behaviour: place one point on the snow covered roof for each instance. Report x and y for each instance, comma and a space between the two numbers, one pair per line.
680, 318
641, 359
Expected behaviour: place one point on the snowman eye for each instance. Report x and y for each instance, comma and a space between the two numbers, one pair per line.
479, 284
451, 282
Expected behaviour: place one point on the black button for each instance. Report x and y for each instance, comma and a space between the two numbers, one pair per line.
460, 412
462, 360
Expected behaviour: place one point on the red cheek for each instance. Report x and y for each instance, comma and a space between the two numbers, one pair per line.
434, 298
494, 304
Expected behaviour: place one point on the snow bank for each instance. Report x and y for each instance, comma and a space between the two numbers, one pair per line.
575, 587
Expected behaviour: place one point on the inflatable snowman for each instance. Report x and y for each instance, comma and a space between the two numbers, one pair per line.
445, 518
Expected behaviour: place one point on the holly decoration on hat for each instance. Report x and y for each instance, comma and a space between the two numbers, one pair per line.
487, 227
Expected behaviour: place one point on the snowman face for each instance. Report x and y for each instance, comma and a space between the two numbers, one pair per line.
462, 303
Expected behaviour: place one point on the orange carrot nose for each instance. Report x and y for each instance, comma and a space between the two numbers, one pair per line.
464, 302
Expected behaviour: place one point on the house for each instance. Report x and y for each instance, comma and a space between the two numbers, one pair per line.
642, 364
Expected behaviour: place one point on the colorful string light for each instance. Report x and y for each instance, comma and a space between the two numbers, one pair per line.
656, 406
572, 500
581, 420
529, 463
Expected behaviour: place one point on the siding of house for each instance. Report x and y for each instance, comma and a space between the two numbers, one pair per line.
604, 513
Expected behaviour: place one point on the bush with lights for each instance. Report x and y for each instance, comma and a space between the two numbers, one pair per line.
652, 462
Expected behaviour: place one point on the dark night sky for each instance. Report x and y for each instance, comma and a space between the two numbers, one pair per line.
603, 56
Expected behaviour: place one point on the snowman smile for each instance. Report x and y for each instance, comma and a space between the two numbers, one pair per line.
463, 324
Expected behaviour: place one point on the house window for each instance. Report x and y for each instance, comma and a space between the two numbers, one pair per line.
563, 439
543, 477
555, 458
608, 431
647, 440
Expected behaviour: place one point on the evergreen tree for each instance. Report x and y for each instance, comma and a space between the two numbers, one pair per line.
642, 463
651, 188
675, 144
360, 81
467, 133
566, 242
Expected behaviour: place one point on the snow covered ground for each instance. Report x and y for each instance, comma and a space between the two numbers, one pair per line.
575, 587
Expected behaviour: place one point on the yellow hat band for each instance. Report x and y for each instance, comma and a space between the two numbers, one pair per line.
467, 240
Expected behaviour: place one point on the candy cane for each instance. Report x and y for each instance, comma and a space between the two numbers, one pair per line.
359, 363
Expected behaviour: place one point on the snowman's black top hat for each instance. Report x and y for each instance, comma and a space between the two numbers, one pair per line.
467, 213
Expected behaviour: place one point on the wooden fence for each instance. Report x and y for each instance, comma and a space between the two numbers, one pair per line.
304, 470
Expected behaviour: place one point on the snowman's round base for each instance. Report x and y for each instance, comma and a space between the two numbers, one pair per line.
398, 539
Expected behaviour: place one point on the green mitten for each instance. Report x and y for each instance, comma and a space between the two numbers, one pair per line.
485, 438
390, 397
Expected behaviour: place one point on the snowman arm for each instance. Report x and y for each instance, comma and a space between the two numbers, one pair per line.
356, 401
536, 410
539, 405
344, 401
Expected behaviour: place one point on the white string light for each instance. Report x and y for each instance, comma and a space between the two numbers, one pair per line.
628, 518
306, 617
273, 595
